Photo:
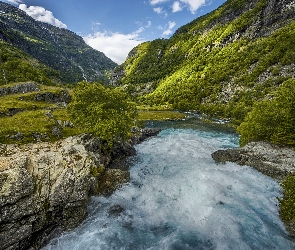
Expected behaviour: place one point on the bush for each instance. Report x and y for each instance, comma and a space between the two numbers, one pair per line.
102, 111
272, 120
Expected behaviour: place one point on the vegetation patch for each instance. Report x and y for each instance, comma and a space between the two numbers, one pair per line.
160, 115
23, 119
287, 203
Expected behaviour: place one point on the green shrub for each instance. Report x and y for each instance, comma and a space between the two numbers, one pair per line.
102, 111
273, 119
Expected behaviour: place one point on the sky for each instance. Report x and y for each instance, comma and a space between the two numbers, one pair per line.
115, 27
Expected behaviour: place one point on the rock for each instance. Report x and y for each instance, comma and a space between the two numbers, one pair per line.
272, 160
57, 131
139, 135
46, 186
39, 136
20, 88
113, 179
18, 136
115, 210
62, 97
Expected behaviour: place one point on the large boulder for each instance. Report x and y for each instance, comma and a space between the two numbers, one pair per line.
45, 186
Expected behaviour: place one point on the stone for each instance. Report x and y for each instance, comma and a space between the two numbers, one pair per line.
45, 187
272, 160
18, 136
20, 88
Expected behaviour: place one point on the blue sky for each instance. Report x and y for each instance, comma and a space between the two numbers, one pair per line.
116, 26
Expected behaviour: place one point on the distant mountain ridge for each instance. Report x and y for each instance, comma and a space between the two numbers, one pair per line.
220, 63
60, 49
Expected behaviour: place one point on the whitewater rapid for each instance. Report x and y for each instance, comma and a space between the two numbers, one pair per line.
179, 198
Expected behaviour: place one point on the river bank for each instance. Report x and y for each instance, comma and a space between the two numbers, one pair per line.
272, 160
45, 187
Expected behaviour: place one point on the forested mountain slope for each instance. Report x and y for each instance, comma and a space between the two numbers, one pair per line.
60, 49
220, 63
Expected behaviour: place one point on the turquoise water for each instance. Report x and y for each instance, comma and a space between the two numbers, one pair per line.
179, 198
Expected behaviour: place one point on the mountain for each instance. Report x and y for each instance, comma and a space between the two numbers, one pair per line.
221, 63
61, 50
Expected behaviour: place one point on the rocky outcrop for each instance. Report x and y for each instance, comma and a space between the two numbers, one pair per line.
20, 88
45, 187
62, 97
139, 135
272, 160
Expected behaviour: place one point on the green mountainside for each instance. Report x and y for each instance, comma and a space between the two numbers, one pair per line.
63, 55
220, 64
18, 66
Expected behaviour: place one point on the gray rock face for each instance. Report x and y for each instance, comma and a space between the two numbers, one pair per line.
20, 88
274, 161
46, 186
61, 97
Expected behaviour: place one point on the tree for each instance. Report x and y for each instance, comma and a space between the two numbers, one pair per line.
272, 120
102, 111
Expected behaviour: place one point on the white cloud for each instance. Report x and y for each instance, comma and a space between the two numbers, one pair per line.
149, 24
15, 1
194, 4
176, 7
158, 10
154, 2
114, 45
168, 31
40, 14
171, 24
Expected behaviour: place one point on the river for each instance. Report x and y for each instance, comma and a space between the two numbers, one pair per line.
179, 198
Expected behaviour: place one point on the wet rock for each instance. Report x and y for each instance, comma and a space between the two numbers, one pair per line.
141, 134
113, 179
115, 210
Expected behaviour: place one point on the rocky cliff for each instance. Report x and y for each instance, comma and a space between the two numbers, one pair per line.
44, 187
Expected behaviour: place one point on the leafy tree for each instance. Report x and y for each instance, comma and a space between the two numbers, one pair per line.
102, 111
272, 120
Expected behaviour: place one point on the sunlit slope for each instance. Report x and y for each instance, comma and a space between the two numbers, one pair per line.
220, 63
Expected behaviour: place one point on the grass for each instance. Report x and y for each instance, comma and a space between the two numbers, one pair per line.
32, 117
40, 117
160, 112
159, 115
